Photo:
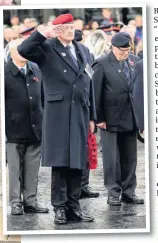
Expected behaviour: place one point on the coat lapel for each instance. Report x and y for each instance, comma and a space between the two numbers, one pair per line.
131, 65
82, 56
61, 50
116, 65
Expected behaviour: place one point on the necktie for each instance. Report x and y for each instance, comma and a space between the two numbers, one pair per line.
125, 69
23, 71
72, 56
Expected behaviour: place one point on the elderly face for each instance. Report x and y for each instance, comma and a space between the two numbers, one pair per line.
68, 33
121, 53
5, 2
14, 52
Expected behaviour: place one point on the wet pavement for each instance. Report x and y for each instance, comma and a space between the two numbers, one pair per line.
126, 216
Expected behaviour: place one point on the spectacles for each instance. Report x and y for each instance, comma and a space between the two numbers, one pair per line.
125, 50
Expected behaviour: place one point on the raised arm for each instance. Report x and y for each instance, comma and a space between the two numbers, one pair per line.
33, 47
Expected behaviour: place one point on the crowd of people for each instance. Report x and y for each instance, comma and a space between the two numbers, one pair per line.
74, 78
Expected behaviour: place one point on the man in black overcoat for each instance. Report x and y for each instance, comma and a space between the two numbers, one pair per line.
69, 111
138, 95
23, 126
113, 85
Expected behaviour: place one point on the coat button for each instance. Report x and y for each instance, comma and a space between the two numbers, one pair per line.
30, 97
74, 86
33, 125
86, 90
65, 71
28, 85
73, 101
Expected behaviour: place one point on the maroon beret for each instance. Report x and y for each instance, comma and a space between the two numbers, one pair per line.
63, 19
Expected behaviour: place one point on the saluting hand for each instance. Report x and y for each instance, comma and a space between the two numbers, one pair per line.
50, 31
101, 125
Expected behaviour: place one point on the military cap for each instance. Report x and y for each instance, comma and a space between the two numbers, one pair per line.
121, 39
27, 31
117, 26
106, 28
63, 19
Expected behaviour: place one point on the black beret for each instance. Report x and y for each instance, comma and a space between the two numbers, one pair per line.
27, 31
106, 28
78, 35
121, 39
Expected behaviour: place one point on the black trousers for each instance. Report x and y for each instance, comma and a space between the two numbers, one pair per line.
119, 162
66, 188
85, 178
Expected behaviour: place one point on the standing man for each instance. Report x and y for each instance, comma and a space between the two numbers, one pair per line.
113, 83
138, 95
23, 118
69, 111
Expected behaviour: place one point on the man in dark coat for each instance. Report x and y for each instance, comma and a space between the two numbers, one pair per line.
113, 85
86, 191
23, 120
69, 111
138, 95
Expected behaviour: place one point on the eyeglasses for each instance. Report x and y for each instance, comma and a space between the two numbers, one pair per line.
125, 50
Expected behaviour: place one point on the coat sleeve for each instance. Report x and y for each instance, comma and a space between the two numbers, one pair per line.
98, 78
32, 48
138, 95
93, 116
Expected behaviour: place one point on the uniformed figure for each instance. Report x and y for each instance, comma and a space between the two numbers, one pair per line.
69, 111
86, 190
138, 95
23, 118
113, 85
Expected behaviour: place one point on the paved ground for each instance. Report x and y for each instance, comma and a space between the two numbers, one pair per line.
126, 216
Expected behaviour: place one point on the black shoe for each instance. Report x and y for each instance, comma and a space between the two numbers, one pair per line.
87, 193
114, 201
36, 208
133, 200
60, 216
17, 210
79, 216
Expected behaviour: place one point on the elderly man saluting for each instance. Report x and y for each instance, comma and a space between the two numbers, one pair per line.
69, 111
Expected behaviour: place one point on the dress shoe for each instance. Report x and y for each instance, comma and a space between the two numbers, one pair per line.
114, 201
36, 208
87, 192
79, 216
17, 209
60, 216
133, 200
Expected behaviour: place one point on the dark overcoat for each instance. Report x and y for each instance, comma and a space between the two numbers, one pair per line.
138, 94
23, 106
114, 93
69, 100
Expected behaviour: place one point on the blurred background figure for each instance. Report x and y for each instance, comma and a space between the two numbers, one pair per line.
139, 28
93, 25
139, 49
8, 35
97, 43
79, 24
107, 16
14, 20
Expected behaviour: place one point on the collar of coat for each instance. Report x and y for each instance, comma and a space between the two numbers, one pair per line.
60, 48
15, 70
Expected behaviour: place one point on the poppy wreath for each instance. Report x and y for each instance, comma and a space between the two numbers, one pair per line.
92, 151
